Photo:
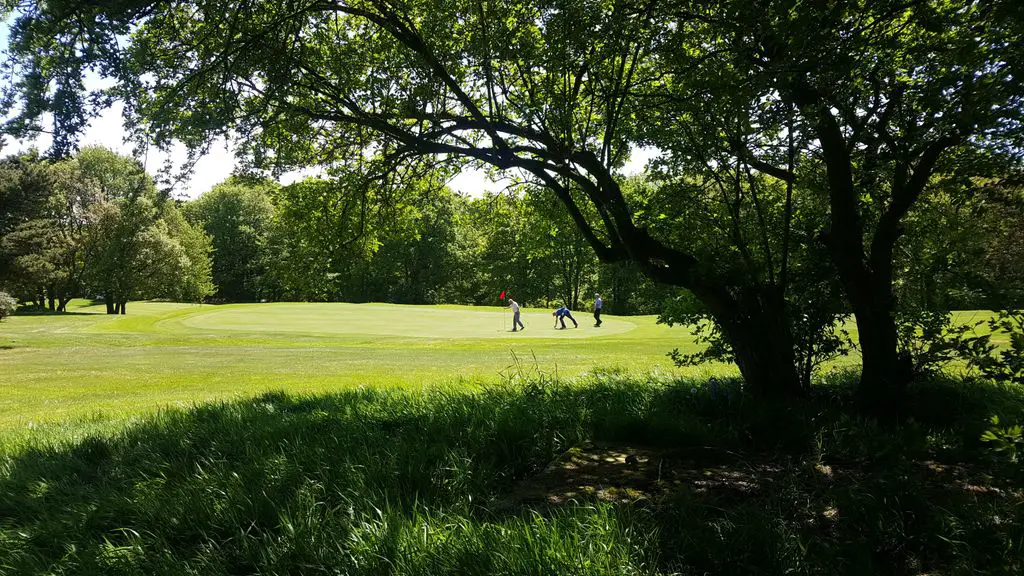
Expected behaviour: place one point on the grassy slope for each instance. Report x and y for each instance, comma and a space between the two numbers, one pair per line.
60, 367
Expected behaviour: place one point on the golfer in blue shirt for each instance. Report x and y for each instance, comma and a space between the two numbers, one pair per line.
561, 314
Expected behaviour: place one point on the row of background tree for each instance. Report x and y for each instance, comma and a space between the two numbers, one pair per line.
95, 225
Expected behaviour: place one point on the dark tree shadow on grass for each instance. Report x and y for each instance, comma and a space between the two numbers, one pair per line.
46, 312
459, 482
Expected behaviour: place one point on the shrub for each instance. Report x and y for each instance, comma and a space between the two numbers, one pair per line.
933, 340
1007, 364
1005, 440
8, 304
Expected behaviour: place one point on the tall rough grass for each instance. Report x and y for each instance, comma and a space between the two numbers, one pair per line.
390, 482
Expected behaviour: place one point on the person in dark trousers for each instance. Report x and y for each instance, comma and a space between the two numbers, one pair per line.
516, 322
598, 303
561, 314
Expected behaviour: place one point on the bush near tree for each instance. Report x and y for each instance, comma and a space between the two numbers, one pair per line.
8, 304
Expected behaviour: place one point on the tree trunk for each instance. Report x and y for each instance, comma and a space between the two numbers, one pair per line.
108, 299
761, 337
123, 307
63, 304
885, 371
620, 301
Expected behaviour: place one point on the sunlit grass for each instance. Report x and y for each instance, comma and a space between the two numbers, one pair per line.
86, 363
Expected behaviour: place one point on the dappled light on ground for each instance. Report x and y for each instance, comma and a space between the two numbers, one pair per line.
630, 474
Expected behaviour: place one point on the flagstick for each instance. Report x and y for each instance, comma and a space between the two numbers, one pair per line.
504, 313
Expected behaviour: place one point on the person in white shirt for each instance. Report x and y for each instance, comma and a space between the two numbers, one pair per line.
516, 322
598, 303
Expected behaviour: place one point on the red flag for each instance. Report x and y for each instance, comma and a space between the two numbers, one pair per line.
502, 295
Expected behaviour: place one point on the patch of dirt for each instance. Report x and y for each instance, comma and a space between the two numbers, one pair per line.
967, 479
630, 473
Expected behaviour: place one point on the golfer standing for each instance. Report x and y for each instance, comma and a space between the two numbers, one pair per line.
515, 315
598, 303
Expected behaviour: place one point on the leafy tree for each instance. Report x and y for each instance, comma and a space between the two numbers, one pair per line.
345, 239
572, 262
415, 261
1006, 364
1003, 234
136, 244
468, 283
237, 215
25, 187
515, 256
883, 95
188, 268
44, 244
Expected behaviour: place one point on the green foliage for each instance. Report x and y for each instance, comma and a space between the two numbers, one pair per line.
8, 304
686, 310
1001, 363
1007, 441
956, 253
933, 339
40, 231
237, 215
339, 239
185, 271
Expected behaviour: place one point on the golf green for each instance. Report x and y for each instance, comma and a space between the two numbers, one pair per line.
86, 363
397, 320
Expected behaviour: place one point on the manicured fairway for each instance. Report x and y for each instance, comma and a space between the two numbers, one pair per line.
160, 354
85, 363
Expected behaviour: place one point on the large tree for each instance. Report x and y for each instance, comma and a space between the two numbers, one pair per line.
882, 95
136, 244
42, 230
